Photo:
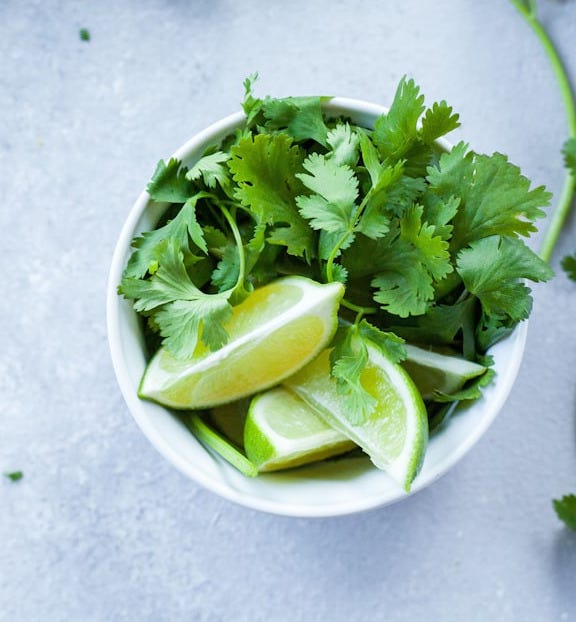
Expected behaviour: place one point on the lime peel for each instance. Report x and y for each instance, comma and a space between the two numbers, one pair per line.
435, 373
395, 435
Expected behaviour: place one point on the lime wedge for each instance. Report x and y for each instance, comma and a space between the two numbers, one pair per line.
395, 434
282, 431
438, 372
274, 332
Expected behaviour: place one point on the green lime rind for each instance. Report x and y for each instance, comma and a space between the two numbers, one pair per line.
434, 373
420, 438
257, 445
282, 431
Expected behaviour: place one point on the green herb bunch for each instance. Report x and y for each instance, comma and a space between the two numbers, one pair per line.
427, 240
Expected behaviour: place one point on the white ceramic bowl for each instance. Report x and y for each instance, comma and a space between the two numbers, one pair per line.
324, 489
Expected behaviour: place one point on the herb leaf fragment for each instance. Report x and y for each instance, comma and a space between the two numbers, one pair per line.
349, 358
183, 311
566, 510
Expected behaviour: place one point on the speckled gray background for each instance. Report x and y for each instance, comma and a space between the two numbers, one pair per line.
101, 528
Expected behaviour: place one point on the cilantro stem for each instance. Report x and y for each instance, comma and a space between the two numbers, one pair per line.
330, 278
528, 12
332, 257
357, 308
239, 244
559, 218
345, 235
209, 437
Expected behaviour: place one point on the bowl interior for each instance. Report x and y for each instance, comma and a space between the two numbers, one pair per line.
329, 488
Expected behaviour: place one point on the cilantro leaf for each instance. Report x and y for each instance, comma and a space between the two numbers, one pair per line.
490, 269
182, 227
491, 329
432, 249
411, 258
265, 168
495, 199
391, 345
251, 105
84, 34
403, 193
373, 223
169, 282
348, 359
332, 206
339, 273
391, 192
440, 212
566, 510
396, 131
180, 309
211, 169
256, 247
569, 265
438, 121
216, 240
384, 178
344, 144
371, 158
183, 322
226, 274
169, 182
301, 117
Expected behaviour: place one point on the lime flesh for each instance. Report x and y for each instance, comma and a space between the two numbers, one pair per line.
395, 434
433, 372
282, 431
273, 333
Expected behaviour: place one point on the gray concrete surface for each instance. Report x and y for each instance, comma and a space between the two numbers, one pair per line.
101, 528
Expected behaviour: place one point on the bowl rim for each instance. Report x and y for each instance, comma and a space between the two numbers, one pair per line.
337, 106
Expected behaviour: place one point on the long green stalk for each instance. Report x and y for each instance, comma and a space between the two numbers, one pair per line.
527, 9
220, 445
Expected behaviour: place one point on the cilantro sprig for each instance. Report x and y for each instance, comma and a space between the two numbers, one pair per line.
427, 242
528, 9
